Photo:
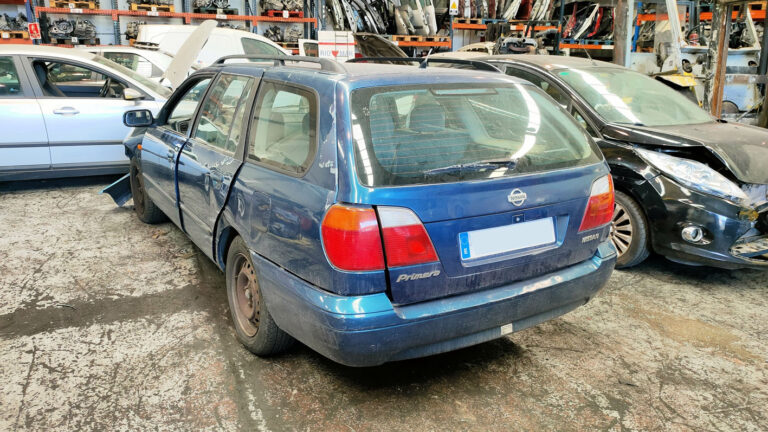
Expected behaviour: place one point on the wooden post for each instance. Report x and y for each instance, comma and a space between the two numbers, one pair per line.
717, 56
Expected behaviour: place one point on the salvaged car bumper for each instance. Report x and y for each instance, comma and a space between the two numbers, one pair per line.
368, 330
671, 208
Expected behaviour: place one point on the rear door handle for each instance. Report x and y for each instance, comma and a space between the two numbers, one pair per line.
66, 111
170, 156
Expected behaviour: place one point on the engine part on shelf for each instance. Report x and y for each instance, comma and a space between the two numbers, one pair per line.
84, 29
132, 29
272, 5
61, 29
219, 4
293, 34
274, 33
17, 23
293, 5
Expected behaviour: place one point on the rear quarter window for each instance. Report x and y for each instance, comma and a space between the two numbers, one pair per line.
447, 133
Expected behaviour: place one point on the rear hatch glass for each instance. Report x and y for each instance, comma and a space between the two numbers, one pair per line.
427, 134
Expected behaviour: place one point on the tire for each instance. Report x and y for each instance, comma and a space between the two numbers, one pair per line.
629, 232
145, 209
253, 323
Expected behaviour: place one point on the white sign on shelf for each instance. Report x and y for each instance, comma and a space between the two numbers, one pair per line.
6, 35
221, 16
286, 14
74, 39
153, 13
454, 9
153, 8
74, 11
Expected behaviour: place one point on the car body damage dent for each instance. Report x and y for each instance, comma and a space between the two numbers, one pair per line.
742, 149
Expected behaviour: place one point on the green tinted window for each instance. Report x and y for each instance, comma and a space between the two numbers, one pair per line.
224, 103
9, 79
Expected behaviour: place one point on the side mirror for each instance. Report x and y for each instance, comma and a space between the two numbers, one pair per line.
132, 94
138, 118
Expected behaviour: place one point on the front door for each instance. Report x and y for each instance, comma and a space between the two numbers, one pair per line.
211, 158
162, 144
83, 110
23, 140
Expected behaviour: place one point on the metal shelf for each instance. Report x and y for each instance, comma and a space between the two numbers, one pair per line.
115, 14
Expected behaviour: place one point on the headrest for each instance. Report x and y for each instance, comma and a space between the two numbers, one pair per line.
41, 72
428, 118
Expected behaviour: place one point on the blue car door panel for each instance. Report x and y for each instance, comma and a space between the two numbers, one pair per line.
161, 146
210, 159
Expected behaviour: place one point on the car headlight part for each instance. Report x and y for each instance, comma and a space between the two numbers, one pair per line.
695, 175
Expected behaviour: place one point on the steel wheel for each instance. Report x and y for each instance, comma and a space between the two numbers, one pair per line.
621, 229
247, 296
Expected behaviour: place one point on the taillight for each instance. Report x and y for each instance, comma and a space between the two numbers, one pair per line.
351, 238
406, 242
600, 207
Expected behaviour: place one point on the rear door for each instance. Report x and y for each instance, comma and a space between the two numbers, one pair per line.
162, 144
211, 157
23, 140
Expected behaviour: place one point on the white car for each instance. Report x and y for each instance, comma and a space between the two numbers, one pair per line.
61, 111
221, 42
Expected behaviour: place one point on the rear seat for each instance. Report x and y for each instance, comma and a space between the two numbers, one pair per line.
425, 145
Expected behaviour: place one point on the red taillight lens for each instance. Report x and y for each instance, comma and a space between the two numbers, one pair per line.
600, 207
351, 238
406, 241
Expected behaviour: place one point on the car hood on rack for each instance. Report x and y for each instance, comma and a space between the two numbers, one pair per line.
742, 148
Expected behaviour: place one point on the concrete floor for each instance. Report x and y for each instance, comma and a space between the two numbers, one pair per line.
110, 324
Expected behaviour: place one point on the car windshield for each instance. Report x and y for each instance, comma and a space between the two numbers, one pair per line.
624, 96
446, 133
155, 87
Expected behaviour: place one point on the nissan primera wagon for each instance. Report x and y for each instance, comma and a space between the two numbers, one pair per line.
378, 212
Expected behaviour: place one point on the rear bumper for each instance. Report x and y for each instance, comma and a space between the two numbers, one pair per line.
368, 330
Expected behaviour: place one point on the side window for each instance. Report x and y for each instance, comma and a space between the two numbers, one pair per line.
59, 79
180, 117
10, 86
134, 62
283, 130
540, 82
583, 122
255, 47
222, 110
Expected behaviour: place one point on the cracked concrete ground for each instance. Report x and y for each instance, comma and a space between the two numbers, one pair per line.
110, 324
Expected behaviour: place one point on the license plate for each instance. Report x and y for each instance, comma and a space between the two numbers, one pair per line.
507, 238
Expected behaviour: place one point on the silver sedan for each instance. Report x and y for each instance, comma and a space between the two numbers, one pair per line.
61, 112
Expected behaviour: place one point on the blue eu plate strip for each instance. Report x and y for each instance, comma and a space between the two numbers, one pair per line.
464, 245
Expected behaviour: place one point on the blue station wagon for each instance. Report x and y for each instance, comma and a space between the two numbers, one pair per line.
378, 212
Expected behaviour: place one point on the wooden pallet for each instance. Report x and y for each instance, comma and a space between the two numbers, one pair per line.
71, 4
468, 20
281, 14
418, 38
216, 11
289, 45
70, 42
152, 7
14, 34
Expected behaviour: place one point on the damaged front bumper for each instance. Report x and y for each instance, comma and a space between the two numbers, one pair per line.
730, 240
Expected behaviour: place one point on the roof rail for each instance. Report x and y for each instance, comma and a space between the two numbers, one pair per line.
325, 64
479, 65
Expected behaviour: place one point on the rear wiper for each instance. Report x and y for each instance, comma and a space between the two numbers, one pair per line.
509, 164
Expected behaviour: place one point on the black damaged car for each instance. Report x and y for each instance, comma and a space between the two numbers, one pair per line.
688, 186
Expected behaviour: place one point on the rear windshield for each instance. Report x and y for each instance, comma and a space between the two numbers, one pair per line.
447, 133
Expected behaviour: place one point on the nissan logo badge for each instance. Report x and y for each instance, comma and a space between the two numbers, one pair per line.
517, 197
